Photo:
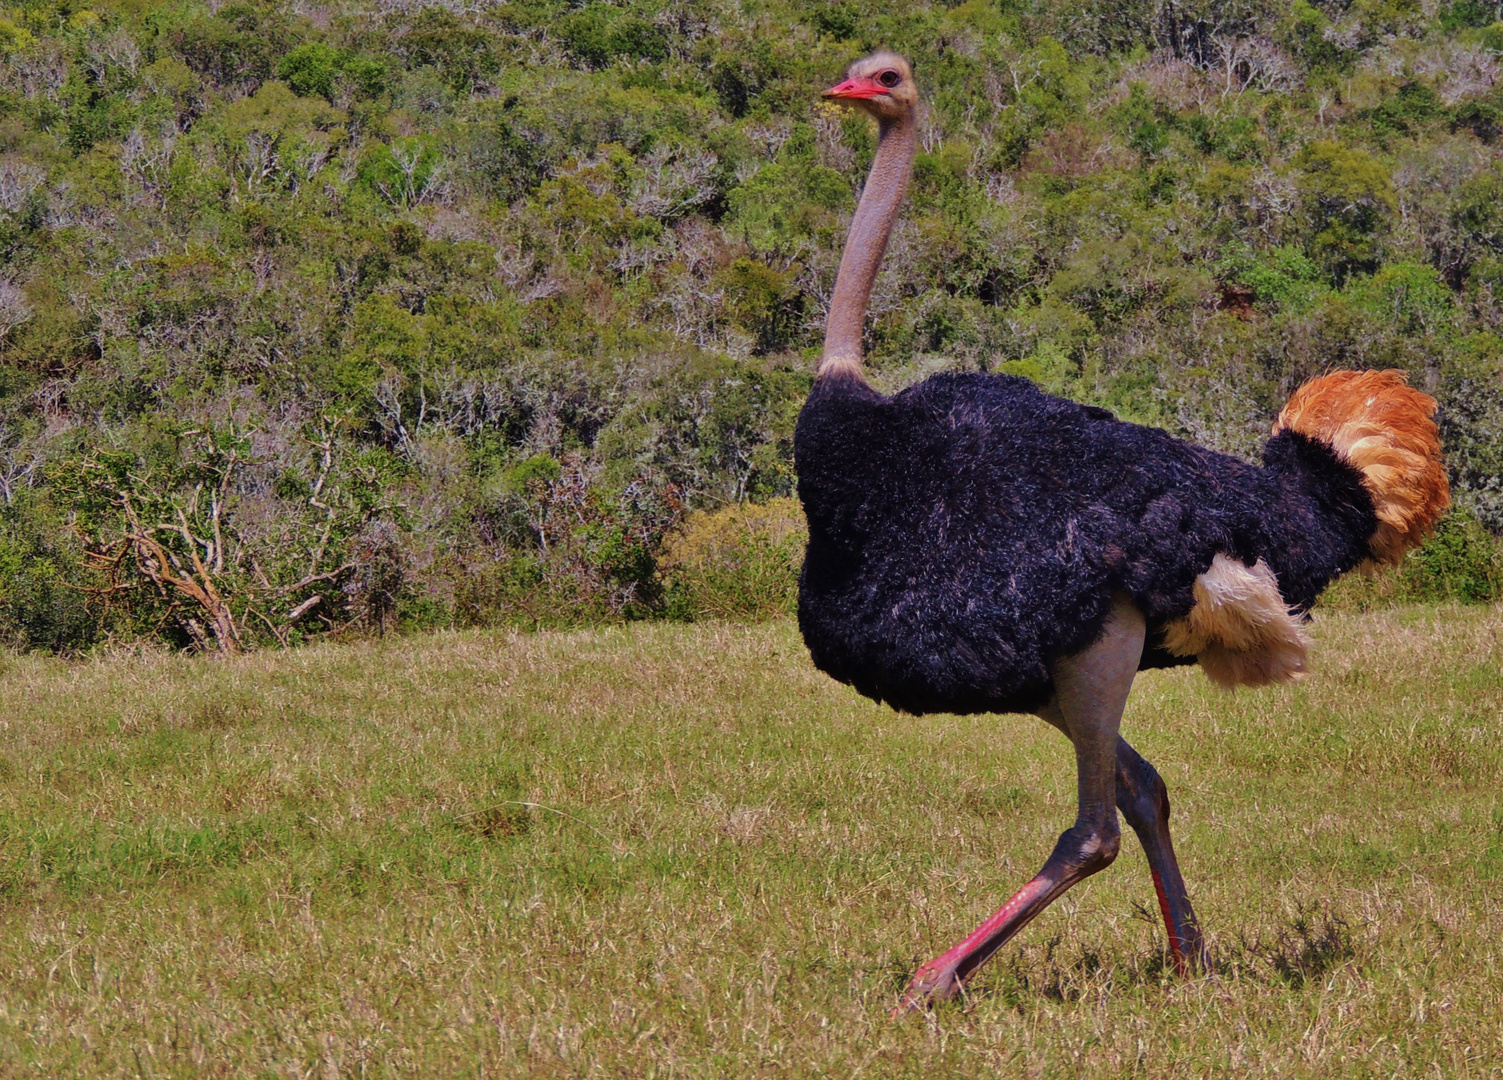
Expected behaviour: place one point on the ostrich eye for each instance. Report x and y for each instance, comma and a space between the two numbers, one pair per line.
889, 79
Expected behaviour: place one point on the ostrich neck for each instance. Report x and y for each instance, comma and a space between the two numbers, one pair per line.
870, 228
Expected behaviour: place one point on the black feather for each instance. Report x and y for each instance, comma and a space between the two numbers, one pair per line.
966, 533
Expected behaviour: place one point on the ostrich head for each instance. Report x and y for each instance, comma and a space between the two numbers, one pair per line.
880, 85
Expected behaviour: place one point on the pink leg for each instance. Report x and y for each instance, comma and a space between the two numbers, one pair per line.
1080, 853
1090, 691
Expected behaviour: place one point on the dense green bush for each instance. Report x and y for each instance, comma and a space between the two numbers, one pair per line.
317, 295
738, 562
41, 567
1461, 563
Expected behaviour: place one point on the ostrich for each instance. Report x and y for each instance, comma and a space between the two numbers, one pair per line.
976, 545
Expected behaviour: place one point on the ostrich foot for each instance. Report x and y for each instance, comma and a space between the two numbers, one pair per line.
936, 981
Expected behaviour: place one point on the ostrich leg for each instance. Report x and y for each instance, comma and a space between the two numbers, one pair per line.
1090, 691
1144, 802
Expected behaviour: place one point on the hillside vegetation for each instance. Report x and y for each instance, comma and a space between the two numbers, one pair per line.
336, 317
662, 850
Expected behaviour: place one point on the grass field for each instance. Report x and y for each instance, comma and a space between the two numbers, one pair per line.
680, 851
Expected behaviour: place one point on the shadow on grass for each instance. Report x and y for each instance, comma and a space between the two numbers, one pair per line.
1312, 942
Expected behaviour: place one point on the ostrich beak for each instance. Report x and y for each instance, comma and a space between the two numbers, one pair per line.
856, 88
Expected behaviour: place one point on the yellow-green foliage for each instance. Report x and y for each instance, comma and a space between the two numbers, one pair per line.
739, 562
409, 254
1461, 563
14, 38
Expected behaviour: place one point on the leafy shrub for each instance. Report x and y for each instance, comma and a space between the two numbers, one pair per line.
1471, 375
740, 562
597, 35
1306, 31
310, 69
14, 38
1483, 119
404, 172
1467, 13
438, 38
314, 68
547, 271
1283, 278
1414, 104
41, 603
239, 44
566, 545
781, 204
1461, 563
1410, 295
763, 301
1349, 197
504, 589
839, 20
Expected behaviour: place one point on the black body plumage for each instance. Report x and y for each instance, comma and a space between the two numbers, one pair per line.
970, 530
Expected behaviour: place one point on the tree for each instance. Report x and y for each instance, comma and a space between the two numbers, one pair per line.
1349, 198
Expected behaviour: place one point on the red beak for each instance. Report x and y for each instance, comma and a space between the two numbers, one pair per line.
856, 88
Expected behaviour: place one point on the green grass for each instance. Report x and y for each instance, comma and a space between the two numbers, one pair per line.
680, 851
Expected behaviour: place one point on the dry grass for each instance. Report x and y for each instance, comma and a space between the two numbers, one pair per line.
668, 851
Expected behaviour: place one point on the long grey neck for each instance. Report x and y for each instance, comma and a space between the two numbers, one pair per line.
870, 228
